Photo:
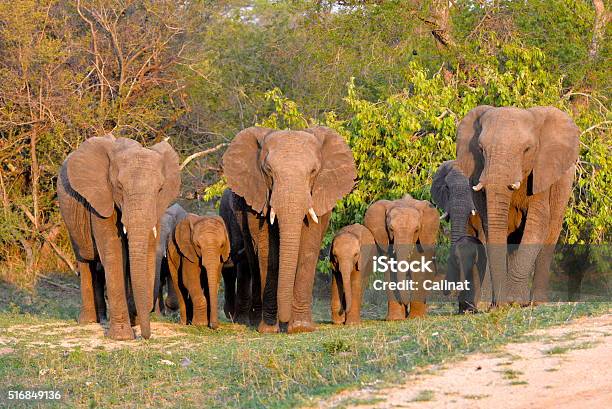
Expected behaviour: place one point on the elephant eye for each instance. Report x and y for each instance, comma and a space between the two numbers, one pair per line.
526, 150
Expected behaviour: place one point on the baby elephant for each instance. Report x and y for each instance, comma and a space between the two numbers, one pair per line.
199, 244
467, 262
351, 258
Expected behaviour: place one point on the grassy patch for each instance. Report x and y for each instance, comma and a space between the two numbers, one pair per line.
476, 397
237, 367
511, 374
424, 396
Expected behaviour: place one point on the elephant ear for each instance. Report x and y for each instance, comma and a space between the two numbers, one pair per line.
182, 238
439, 189
88, 173
241, 166
375, 220
226, 247
469, 156
172, 176
558, 146
430, 224
337, 175
368, 247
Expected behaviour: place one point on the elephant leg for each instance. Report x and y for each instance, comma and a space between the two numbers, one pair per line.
353, 315
173, 268
268, 280
418, 306
249, 280
521, 264
229, 290
336, 303
395, 310
559, 197
310, 246
191, 277
243, 293
171, 301
114, 264
88, 306
99, 284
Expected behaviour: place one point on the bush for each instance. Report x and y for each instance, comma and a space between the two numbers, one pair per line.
398, 143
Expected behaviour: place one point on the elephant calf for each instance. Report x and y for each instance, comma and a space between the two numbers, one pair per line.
406, 229
467, 262
351, 258
199, 242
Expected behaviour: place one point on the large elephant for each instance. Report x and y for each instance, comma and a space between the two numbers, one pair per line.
199, 244
290, 181
172, 216
351, 255
112, 194
522, 164
407, 228
237, 276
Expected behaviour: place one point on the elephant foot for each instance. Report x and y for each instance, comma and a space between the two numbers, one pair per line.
87, 317
229, 312
213, 325
300, 326
467, 308
242, 319
120, 332
171, 303
199, 322
417, 309
264, 328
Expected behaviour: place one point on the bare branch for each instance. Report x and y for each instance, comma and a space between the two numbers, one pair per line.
202, 153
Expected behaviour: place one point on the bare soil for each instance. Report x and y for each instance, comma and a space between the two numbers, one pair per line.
568, 366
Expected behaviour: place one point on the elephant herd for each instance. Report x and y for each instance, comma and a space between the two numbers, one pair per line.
509, 185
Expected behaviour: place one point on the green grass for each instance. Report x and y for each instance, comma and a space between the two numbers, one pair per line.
236, 366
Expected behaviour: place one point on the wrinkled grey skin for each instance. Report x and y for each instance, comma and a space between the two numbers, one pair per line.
452, 193
237, 277
467, 261
172, 216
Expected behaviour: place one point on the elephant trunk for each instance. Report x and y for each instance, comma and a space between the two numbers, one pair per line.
213, 265
346, 269
498, 204
404, 250
290, 228
142, 265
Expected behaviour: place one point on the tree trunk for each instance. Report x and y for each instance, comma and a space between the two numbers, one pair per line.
599, 27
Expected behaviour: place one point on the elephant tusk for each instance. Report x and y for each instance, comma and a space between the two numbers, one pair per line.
313, 215
124, 230
444, 216
478, 187
272, 216
473, 212
155, 231
515, 185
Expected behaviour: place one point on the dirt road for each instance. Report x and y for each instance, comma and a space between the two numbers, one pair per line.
561, 367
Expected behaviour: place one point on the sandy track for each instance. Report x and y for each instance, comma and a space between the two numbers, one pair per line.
568, 366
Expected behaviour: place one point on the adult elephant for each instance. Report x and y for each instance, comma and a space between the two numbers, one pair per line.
522, 163
290, 181
112, 194
408, 229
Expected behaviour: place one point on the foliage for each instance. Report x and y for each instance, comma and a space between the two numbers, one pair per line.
398, 143
200, 71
